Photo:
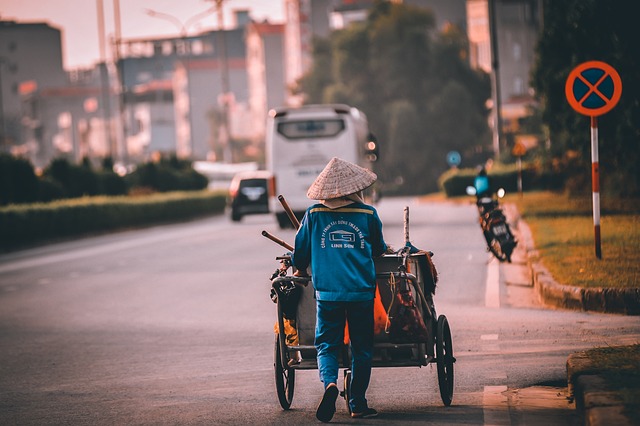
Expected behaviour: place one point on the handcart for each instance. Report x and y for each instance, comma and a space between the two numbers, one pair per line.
296, 315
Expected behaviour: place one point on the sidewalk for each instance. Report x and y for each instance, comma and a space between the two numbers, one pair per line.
597, 400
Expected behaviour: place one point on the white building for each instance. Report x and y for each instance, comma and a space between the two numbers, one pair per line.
266, 73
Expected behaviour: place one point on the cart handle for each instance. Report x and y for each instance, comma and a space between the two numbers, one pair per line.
303, 281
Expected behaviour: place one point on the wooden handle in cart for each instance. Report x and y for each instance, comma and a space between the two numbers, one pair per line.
292, 217
406, 224
278, 240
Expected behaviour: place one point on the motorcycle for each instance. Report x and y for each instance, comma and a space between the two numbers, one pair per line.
496, 231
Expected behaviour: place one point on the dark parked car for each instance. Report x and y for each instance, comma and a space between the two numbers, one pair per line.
249, 194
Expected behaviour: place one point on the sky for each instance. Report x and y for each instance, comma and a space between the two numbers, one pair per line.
78, 20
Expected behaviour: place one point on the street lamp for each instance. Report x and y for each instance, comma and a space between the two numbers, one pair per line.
495, 77
224, 76
183, 27
185, 50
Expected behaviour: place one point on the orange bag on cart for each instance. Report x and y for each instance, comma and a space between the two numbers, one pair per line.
379, 318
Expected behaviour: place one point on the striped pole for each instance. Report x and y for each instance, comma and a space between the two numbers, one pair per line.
595, 184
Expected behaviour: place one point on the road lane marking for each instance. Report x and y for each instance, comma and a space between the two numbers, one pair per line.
489, 337
127, 242
492, 288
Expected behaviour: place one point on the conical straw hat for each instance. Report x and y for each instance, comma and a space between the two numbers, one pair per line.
339, 179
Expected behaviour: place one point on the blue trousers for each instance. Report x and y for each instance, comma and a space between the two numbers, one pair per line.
330, 322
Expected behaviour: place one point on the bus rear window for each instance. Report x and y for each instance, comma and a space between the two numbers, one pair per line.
305, 129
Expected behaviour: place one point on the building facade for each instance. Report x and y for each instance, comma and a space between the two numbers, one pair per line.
205, 74
516, 25
72, 120
304, 20
30, 59
265, 72
206, 96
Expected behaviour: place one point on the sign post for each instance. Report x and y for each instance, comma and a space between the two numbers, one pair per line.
593, 88
595, 184
519, 150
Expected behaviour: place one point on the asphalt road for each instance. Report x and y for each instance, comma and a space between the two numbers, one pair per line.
173, 325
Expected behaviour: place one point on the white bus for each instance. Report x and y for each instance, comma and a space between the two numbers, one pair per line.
301, 141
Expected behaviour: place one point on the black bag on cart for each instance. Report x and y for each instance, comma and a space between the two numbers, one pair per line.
405, 323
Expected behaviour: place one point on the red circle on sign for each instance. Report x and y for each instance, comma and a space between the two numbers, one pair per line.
581, 105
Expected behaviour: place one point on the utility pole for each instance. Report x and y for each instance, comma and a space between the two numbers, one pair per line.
3, 130
105, 86
120, 71
183, 28
495, 79
224, 131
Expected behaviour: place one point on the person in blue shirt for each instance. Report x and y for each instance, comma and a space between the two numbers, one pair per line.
482, 183
338, 238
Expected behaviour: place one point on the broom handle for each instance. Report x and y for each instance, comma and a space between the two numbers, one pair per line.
406, 224
292, 217
277, 240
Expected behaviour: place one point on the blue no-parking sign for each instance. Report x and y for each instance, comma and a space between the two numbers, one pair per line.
593, 88
453, 158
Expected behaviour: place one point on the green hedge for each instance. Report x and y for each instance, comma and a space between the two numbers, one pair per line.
62, 179
455, 181
27, 224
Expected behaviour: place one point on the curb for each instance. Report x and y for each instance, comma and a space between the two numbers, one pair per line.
597, 402
604, 300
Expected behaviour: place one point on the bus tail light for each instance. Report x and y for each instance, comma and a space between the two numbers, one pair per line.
272, 186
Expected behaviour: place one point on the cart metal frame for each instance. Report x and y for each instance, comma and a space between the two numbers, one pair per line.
437, 350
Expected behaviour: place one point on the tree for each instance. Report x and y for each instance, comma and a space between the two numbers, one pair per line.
76, 180
576, 31
412, 84
18, 182
315, 81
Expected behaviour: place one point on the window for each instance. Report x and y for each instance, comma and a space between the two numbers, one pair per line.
167, 48
311, 128
197, 47
517, 51
518, 86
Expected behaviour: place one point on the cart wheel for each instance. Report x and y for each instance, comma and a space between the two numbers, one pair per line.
347, 388
285, 379
445, 360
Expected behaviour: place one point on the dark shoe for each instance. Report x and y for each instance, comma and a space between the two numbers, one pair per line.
327, 406
366, 414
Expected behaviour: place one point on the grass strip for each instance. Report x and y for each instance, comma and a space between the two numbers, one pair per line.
563, 232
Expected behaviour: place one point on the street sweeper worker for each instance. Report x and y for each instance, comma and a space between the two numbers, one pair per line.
339, 238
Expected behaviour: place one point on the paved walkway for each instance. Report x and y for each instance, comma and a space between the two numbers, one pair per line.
597, 400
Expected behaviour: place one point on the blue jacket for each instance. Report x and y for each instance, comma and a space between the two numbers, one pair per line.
340, 244
482, 184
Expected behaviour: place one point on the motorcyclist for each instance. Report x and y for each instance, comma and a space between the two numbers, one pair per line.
484, 191
482, 183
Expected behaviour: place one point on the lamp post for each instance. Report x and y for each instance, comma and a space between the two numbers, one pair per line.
3, 133
225, 133
119, 62
183, 28
495, 77
105, 87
